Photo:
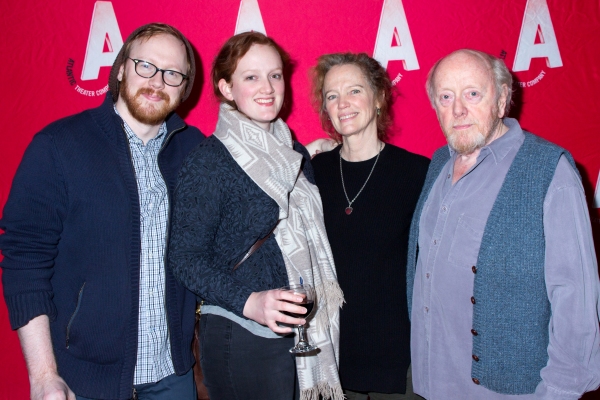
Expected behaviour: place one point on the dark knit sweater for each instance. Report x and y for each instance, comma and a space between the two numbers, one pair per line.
369, 247
219, 213
72, 249
512, 310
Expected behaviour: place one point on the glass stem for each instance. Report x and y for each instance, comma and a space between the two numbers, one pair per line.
301, 334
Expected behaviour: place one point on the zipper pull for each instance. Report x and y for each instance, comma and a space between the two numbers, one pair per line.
135, 396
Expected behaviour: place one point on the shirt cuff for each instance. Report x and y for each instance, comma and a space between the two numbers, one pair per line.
543, 391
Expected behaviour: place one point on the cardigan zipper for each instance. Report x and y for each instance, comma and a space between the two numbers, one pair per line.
79, 296
167, 230
134, 395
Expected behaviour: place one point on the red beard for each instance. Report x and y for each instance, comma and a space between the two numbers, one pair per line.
149, 115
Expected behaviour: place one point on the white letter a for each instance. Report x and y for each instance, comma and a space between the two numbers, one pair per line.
104, 29
537, 20
393, 24
249, 18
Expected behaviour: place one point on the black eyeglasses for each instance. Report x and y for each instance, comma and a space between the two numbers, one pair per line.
148, 70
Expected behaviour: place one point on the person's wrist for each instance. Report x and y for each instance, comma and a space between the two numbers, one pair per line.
248, 307
45, 370
41, 376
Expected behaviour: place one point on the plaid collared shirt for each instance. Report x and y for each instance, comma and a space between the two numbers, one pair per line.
154, 349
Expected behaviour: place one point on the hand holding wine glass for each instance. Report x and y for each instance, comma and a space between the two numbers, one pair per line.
266, 308
308, 295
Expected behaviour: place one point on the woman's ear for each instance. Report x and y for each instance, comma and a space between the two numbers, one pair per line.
225, 89
380, 99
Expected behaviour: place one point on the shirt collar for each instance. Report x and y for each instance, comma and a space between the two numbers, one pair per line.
131, 136
500, 147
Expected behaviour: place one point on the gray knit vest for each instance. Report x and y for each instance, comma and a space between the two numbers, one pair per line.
512, 311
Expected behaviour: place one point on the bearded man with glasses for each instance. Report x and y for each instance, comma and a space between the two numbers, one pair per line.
85, 228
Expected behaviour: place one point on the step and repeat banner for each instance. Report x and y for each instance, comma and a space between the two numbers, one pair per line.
56, 58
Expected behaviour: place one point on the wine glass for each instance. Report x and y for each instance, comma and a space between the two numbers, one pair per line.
307, 292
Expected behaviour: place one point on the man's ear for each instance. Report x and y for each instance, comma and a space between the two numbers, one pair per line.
502, 101
120, 74
225, 89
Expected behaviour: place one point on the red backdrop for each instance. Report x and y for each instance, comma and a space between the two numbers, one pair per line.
55, 57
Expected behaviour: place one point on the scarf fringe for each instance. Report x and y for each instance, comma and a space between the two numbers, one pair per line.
322, 389
331, 292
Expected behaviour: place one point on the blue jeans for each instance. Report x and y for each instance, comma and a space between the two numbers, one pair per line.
169, 388
238, 365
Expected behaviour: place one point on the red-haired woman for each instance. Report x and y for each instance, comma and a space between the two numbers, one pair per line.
250, 181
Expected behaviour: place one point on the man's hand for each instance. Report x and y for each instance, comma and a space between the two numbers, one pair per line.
264, 308
36, 344
320, 145
50, 387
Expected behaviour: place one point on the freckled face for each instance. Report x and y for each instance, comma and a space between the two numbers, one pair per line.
257, 86
349, 101
465, 102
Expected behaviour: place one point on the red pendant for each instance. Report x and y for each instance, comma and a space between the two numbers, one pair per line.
348, 210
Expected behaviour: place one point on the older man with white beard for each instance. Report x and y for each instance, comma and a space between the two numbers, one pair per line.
501, 257
85, 226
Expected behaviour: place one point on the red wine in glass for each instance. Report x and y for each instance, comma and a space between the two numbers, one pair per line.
308, 304
308, 301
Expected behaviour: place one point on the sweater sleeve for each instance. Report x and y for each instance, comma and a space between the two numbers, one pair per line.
199, 200
307, 167
32, 222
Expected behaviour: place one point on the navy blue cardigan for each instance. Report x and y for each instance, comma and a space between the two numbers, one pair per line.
219, 213
72, 248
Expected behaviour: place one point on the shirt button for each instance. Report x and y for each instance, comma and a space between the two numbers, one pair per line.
475, 358
444, 209
474, 332
476, 381
472, 299
427, 275
448, 177
426, 309
435, 242
474, 269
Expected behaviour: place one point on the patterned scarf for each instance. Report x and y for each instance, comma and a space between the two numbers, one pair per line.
271, 162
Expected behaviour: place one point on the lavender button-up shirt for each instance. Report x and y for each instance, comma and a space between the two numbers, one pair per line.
450, 232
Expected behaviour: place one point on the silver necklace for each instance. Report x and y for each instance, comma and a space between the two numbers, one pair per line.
349, 209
